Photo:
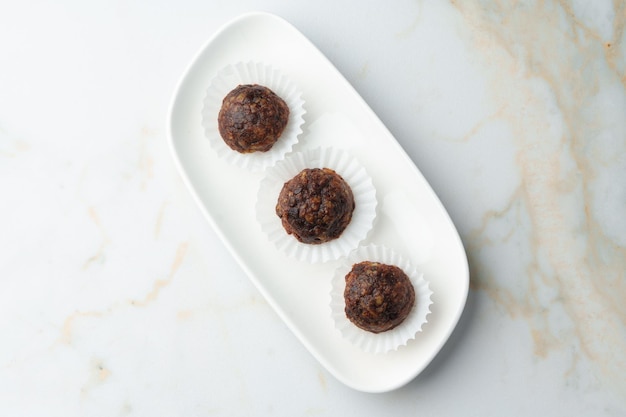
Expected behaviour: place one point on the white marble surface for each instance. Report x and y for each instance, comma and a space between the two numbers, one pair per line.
117, 298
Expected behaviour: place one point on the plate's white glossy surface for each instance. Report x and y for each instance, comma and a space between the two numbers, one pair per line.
410, 219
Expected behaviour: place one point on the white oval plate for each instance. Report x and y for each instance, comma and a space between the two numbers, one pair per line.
410, 217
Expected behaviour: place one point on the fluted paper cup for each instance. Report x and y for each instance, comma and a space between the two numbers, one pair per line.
364, 204
227, 79
399, 335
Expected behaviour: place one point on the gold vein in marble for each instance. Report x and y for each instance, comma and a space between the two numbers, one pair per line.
98, 375
159, 284
12, 148
67, 328
406, 32
99, 256
159, 220
556, 116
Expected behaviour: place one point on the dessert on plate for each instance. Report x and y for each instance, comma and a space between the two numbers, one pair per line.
252, 118
378, 296
315, 206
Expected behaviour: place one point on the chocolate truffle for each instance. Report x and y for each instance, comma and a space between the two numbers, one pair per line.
252, 118
378, 297
315, 206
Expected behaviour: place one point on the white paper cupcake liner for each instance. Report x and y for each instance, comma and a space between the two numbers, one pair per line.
399, 335
225, 81
362, 217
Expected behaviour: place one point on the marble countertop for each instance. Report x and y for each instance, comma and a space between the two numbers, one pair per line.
118, 299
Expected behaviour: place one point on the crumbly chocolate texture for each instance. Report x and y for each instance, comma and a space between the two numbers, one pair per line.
315, 206
252, 118
378, 296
